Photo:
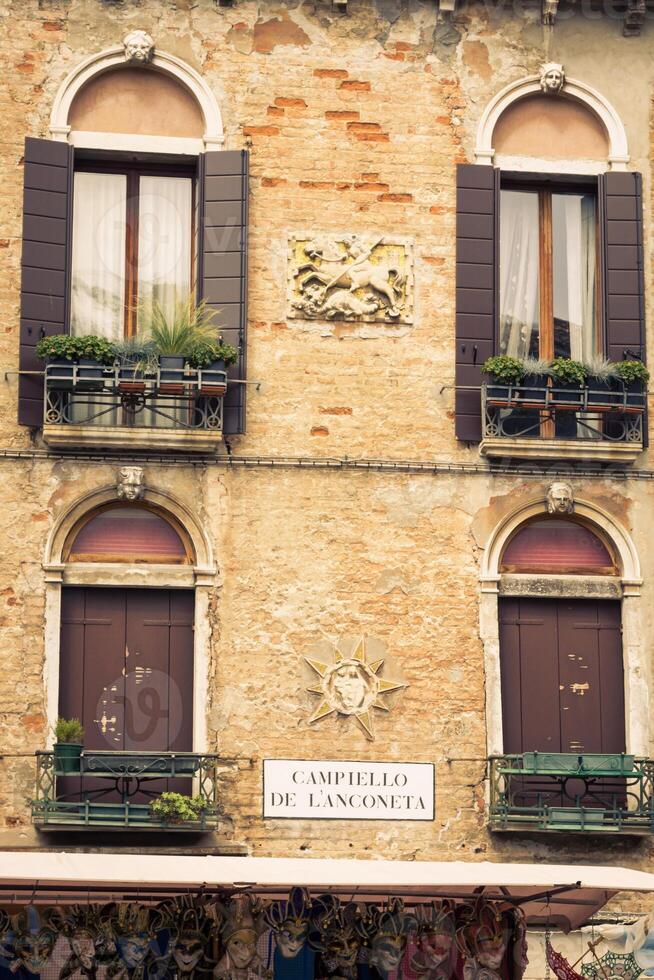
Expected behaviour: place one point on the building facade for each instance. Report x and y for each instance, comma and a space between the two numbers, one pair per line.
363, 553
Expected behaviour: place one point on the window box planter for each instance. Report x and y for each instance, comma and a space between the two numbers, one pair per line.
213, 380
171, 374
600, 392
61, 374
131, 380
67, 757
631, 393
90, 375
573, 817
567, 393
537, 389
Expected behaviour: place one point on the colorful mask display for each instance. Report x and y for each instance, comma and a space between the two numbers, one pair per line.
245, 938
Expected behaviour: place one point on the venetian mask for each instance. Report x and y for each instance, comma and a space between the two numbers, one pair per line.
291, 938
241, 947
490, 952
33, 951
187, 952
387, 952
82, 943
434, 947
343, 949
133, 949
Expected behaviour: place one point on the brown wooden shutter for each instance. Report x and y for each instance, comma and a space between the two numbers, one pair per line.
47, 205
477, 212
622, 254
223, 194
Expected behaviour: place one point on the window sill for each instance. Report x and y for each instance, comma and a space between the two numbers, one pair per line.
561, 449
141, 439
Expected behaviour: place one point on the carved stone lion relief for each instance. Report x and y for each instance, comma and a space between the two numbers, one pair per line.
350, 277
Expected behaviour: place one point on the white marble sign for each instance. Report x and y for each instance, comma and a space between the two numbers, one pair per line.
331, 790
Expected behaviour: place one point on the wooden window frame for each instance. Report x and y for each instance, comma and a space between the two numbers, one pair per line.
546, 188
133, 171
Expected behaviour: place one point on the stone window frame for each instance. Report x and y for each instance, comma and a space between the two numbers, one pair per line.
595, 102
213, 137
201, 576
626, 586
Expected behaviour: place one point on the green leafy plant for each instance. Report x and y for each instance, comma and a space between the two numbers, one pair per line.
601, 368
69, 731
176, 808
65, 347
181, 330
504, 370
205, 354
60, 347
631, 371
567, 371
98, 349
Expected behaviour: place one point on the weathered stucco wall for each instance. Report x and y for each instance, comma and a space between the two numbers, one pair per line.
355, 125
305, 557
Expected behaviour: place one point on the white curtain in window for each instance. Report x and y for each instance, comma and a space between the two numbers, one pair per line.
98, 254
164, 246
577, 298
519, 264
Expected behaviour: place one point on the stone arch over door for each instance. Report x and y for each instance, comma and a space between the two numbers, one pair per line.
197, 578
624, 586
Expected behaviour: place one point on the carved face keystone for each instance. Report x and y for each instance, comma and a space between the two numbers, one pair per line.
139, 47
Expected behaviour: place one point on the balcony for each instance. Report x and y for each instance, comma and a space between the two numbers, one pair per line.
565, 792
113, 790
114, 410
562, 423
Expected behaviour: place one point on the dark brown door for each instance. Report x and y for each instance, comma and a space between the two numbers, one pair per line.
562, 677
126, 667
126, 670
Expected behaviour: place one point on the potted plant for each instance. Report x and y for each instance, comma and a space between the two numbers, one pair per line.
633, 376
212, 361
175, 808
567, 375
60, 352
505, 372
96, 354
69, 742
174, 335
601, 375
137, 358
536, 374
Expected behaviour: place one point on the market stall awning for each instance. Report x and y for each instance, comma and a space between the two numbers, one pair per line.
562, 894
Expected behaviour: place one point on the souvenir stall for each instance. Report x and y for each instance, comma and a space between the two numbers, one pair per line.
146, 917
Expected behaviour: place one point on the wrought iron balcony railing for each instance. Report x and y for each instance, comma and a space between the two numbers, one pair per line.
185, 412
597, 793
591, 419
113, 790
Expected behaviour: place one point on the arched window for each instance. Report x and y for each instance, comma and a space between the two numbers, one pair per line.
128, 534
555, 546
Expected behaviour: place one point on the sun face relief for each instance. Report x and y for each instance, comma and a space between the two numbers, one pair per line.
351, 686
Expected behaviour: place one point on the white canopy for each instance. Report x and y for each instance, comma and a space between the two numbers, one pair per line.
563, 894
